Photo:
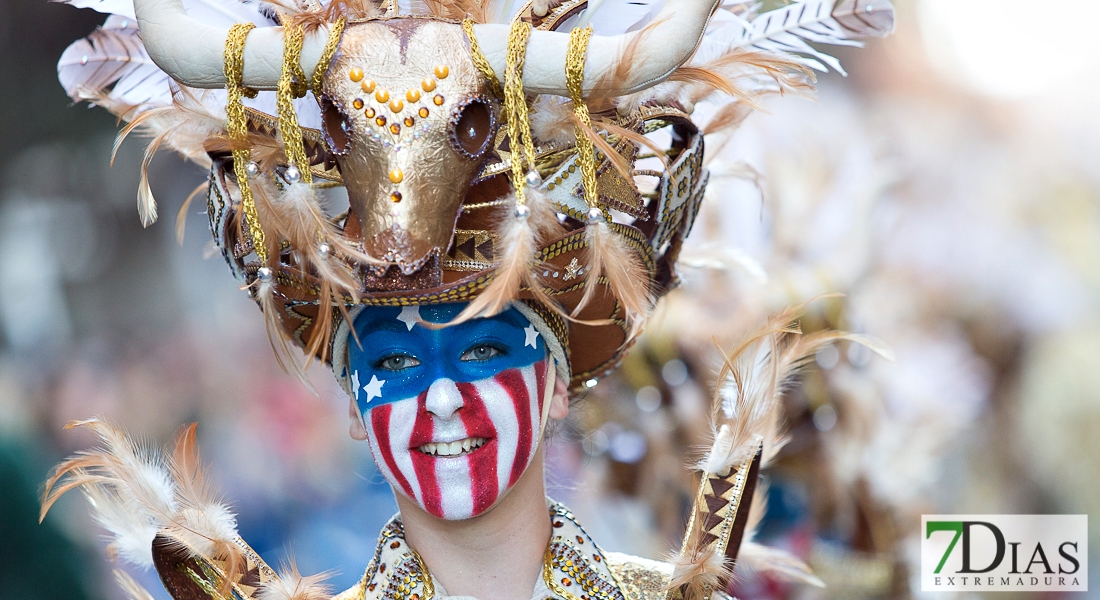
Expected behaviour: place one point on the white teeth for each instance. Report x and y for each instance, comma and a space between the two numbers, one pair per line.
455, 448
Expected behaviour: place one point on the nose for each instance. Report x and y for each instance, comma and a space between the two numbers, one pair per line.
443, 399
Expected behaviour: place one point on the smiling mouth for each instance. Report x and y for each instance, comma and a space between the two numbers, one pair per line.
458, 448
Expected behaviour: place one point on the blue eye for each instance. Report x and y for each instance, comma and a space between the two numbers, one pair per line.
398, 362
480, 352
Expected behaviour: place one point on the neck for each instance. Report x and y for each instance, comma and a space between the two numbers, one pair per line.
495, 556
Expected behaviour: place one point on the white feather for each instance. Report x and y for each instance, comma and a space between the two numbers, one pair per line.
788, 30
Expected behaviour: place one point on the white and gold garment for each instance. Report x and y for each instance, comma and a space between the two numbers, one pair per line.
574, 568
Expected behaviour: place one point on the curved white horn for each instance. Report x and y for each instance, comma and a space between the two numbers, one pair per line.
192, 52
669, 44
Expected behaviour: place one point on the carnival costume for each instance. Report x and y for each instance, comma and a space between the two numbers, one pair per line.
519, 173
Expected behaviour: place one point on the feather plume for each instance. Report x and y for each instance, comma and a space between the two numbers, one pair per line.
609, 257
700, 569
313, 20
113, 55
552, 119
291, 585
478, 10
137, 493
132, 588
516, 266
783, 564
789, 30
184, 126
181, 214
621, 164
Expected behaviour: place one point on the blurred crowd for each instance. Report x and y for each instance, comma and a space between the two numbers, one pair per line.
952, 215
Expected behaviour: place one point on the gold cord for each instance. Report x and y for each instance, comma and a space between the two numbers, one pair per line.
515, 107
292, 84
319, 71
237, 128
479, 59
574, 81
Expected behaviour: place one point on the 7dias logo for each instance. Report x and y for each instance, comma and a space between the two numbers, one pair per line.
1004, 553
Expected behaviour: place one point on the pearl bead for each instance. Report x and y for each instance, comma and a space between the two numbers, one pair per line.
293, 175
522, 212
252, 169
595, 215
265, 274
534, 179
324, 250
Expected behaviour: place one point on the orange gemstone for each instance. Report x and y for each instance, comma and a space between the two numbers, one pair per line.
382, 95
380, 121
395, 129
396, 105
428, 84
357, 103
368, 86
413, 95
442, 71
370, 112
396, 197
438, 100
423, 113
397, 176
356, 74
409, 121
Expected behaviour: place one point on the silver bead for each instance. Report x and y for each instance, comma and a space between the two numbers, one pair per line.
522, 212
265, 274
595, 215
534, 179
293, 175
324, 250
252, 169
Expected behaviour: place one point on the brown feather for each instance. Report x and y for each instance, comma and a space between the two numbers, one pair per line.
313, 20
516, 267
181, 214
621, 164
609, 257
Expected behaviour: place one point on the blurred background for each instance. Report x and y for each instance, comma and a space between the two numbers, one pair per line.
948, 188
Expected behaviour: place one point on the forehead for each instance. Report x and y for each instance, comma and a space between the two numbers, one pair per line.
385, 318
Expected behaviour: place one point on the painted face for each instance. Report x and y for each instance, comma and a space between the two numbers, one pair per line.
453, 415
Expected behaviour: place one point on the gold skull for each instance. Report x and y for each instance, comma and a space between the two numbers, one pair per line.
411, 119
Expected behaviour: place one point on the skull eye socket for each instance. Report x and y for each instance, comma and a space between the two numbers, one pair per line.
472, 127
337, 127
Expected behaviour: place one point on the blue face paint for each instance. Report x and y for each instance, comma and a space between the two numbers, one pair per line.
398, 358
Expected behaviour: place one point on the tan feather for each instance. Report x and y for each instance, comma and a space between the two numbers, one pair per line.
786, 566
312, 20
133, 589
477, 10
181, 214
699, 571
516, 267
621, 164
610, 258
290, 585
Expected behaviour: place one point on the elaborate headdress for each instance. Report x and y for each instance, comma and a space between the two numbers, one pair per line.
471, 173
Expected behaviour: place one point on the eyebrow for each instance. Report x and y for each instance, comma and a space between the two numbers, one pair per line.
382, 325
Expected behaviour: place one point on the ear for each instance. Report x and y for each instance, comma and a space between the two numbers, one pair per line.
358, 428
559, 403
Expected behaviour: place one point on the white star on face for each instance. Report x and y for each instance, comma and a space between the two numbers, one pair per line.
530, 336
374, 388
410, 315
355, 384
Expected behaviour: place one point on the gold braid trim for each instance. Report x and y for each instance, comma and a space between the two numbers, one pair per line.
479, 59
515, 107
574, 81
292, 84
236, 125
319, 71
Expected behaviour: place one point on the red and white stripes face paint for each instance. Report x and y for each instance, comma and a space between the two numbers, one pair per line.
458, 448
